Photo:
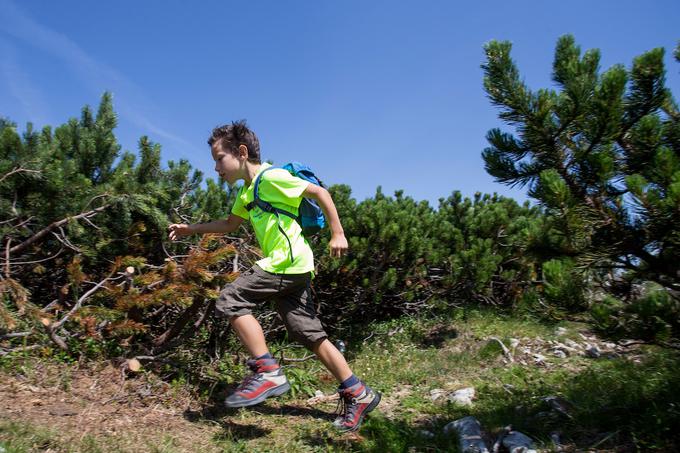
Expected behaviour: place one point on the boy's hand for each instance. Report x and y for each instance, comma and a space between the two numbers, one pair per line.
178, 230
338, 245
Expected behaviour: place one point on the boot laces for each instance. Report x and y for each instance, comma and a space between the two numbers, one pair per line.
347, 406
250, 382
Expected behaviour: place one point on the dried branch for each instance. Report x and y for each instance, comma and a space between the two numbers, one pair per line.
79, 303
54, 225
64, 240
18, 170
185, 317
302, 359
7, 336
16, 263
4, 352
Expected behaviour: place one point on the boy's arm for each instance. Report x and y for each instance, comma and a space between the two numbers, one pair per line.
178, 230
338, 243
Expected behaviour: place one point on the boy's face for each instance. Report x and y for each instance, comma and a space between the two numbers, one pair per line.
227, 165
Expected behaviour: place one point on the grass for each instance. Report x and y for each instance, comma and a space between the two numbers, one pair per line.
624, 403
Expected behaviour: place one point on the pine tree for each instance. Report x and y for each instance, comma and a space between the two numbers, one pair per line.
601, 153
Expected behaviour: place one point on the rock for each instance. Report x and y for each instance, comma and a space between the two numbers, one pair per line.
435, 394
572, 344
318, 394
568, 348
517, 442
593, 351
560, 353
426, 434
463, 397
513, 442
560, 405
560, 331
469, 434
539, 359
555, 438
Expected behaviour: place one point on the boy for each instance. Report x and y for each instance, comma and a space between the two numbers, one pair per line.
284, 275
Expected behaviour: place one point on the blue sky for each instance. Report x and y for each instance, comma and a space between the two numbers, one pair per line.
368, 93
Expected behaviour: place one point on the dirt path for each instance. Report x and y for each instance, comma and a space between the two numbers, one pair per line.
101, 403
104, 407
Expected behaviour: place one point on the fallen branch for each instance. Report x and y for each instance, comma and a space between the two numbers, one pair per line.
52, 328
302, 359
4, 352
79, 303
16, 263
183, 320
7, 336
506, 351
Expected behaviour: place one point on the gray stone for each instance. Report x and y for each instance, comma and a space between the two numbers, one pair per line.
560, 353
517, 442
463, 397
572, 344
593, 351
426, 434
469, 434
435, 394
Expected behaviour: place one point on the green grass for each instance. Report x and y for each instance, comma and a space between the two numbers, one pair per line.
19, 438
618, 403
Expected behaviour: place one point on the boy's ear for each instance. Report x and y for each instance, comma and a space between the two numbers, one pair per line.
243, 151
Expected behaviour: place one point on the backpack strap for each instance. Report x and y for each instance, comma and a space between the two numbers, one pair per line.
268, 207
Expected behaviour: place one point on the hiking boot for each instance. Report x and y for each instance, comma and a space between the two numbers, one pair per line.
355, 403
267, 380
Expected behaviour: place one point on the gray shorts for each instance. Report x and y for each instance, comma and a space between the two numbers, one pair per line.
292, 294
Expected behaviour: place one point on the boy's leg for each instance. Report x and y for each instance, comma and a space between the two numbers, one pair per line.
236, 300
299, 314
332, 359
357, 398
250, 333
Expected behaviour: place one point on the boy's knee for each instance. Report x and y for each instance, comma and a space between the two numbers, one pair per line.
230, 304
311, 341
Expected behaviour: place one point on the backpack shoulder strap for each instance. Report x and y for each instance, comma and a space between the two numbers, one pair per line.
268, 207
262, 204
257, 201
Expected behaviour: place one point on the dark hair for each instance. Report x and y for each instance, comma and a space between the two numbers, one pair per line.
231, 136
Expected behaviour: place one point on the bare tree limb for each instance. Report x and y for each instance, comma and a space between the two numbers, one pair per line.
64, 240
16, 263
4, 352
7, 336
9, 241
18, 170
78, 304
183, 320
52, 226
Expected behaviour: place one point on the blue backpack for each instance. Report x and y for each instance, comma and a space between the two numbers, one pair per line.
310, 216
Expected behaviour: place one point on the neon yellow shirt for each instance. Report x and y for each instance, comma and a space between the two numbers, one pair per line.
283, 191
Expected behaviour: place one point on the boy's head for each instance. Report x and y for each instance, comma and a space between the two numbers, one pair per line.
230, 137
